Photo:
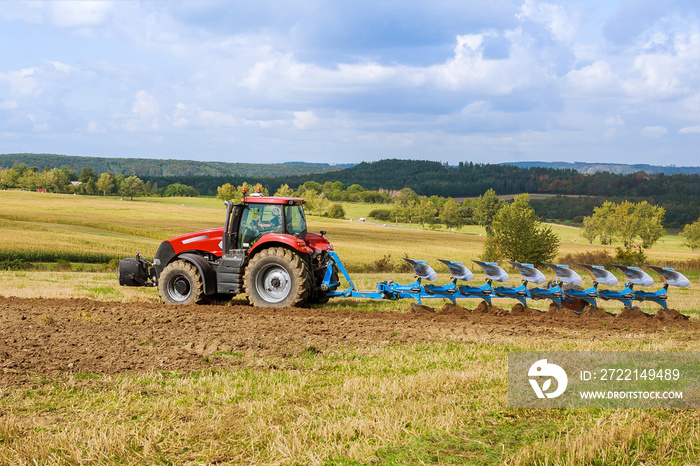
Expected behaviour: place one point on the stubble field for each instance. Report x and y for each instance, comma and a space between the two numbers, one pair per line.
93, 373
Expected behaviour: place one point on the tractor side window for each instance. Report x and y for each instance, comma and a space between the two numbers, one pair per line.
248, 228
257, 221
296, 223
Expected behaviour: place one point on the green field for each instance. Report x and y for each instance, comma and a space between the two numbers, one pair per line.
441, 402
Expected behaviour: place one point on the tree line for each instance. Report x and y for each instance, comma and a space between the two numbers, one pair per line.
627, 222
69, 181
144, 168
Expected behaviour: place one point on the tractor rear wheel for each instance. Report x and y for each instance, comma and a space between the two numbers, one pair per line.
180, 283
277, 277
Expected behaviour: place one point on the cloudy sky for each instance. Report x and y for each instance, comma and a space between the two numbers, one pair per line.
342, 81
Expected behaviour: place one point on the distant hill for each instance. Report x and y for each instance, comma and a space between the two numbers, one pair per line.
617, 168
166, 167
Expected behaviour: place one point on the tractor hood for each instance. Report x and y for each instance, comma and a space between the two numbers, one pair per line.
210, 241
204, 240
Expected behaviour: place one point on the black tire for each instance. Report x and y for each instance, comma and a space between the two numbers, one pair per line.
180, 283
319, 298
277, 277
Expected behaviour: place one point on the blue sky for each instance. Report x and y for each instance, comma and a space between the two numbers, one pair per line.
349, 81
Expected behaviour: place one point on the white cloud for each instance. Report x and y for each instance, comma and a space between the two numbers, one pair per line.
690, 130
404, 139
95, 127
179, 116
598, 75
218, 119
654, 131
305, 120
79, 13
469, 70
145, 105
612, 125
614, 121
672, 72
476, 108
147, 110
553, 17
277, 76
21, 82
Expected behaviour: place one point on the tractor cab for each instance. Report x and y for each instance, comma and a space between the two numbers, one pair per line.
258, 216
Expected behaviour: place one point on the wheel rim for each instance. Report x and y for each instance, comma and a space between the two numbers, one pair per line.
179, 288
273, 284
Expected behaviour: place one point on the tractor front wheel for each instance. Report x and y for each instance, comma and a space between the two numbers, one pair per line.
277, 277
180, 283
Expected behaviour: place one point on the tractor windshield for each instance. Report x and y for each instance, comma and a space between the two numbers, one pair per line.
296, 222
257, 220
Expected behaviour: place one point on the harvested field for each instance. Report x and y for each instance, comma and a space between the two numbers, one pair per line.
85, 381
49, 336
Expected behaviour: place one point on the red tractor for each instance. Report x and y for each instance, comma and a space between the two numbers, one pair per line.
263, 250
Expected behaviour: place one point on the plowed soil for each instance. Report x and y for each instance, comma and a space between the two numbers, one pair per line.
45, 336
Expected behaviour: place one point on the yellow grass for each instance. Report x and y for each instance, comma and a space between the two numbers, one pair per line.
441, 402
95, 225
39, 241
150, 220
67, 284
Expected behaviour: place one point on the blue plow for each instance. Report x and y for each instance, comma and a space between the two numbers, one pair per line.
564, 290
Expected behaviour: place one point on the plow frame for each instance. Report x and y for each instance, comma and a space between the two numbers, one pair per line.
417, 291
561, 291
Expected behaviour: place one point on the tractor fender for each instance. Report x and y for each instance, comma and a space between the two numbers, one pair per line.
280, 239
205, 271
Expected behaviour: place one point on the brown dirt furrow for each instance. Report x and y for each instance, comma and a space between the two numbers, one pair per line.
49, 336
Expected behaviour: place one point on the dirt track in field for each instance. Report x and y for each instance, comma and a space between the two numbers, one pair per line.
46, 336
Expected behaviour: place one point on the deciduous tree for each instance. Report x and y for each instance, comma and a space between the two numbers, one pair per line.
519, 236
691, 235
486, 208
452, 215
180, 190
228, 192
651, 223
105, 183
336, 211
131, 186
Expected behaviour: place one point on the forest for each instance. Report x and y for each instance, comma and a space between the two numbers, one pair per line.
161, 167
575, 194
